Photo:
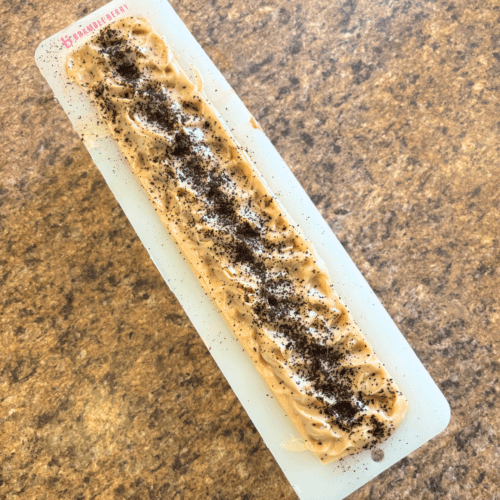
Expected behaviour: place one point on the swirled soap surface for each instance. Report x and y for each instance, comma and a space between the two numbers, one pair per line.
261, 272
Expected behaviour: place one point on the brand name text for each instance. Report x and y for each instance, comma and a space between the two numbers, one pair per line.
68, 40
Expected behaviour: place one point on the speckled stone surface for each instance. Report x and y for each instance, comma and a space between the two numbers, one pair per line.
388, 113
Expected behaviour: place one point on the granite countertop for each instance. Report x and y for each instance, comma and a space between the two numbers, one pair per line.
388, 114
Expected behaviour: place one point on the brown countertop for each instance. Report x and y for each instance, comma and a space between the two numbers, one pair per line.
388, 113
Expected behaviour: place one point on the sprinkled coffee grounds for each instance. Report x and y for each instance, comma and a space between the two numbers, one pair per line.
264, 276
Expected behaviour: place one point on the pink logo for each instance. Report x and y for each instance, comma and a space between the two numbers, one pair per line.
67, 40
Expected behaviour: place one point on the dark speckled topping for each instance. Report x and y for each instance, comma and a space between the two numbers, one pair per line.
188, 163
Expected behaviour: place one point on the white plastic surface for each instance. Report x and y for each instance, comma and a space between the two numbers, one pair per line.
429, 412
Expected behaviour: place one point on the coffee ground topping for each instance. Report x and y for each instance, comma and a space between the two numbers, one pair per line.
193, 165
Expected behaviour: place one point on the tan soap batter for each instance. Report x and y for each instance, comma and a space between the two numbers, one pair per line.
263, 275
